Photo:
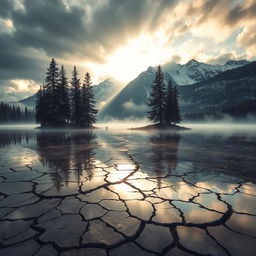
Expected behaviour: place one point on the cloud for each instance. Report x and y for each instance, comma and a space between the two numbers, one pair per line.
247, 39
6, 8
223, 58
135, 108
23, 86
241, 12
84, 32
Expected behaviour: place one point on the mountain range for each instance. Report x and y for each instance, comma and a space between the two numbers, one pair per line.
131, 101
103, 91
194, 71
231, 89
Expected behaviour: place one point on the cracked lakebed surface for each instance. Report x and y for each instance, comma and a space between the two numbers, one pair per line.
127, 193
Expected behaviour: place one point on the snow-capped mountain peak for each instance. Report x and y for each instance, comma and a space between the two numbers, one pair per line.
195, 71
105, 90
237, 63
192, 62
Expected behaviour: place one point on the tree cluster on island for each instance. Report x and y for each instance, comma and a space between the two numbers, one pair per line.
163, 102
14, 114
63, 104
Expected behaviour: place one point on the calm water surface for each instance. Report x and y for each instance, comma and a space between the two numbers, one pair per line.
110, 192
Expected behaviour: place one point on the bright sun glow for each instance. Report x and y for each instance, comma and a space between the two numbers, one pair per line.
128, 61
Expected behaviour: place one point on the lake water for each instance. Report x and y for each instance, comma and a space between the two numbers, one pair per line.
120, 192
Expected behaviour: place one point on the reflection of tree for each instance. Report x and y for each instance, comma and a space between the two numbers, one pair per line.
65, 153
13, 137
164, 154
83, 154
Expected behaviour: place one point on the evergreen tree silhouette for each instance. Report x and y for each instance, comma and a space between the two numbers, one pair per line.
156, 100
39, 111
176, 110
172, 111
64, 96
88, 109
51, 97
75, 98
14, 114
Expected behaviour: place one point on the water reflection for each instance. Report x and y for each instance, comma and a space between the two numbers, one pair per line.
64, 153
130, 193
16, 137
163, 157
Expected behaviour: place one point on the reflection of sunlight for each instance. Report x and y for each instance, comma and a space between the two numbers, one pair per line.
126, 192
125, 167
228, 188
29, 157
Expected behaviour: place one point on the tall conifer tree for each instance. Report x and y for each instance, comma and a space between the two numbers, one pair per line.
76, 97
176, 111
51, 101
88, 109
64, 96
156, 101
172, 111
38, 107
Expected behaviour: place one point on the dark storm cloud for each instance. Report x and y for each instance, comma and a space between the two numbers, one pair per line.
51, 28
40, 27
58, 30
241, 12
6, 7
17, 61
48, 25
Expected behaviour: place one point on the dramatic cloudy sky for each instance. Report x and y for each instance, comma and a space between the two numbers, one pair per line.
118, 38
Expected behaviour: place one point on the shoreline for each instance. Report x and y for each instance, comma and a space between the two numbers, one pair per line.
159, 127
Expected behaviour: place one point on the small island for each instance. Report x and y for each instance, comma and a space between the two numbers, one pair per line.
59, 105
163, 105
159, 126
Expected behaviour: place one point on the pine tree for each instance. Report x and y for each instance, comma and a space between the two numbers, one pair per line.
14, 114
168, 113
75, 87
39, 110
176, 111
63, 96
172, 112
51, 100
88, 109
156, 101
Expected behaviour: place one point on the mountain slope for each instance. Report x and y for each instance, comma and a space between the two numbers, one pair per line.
105, 90
227, 90
29, 101
194, 71
131, 101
